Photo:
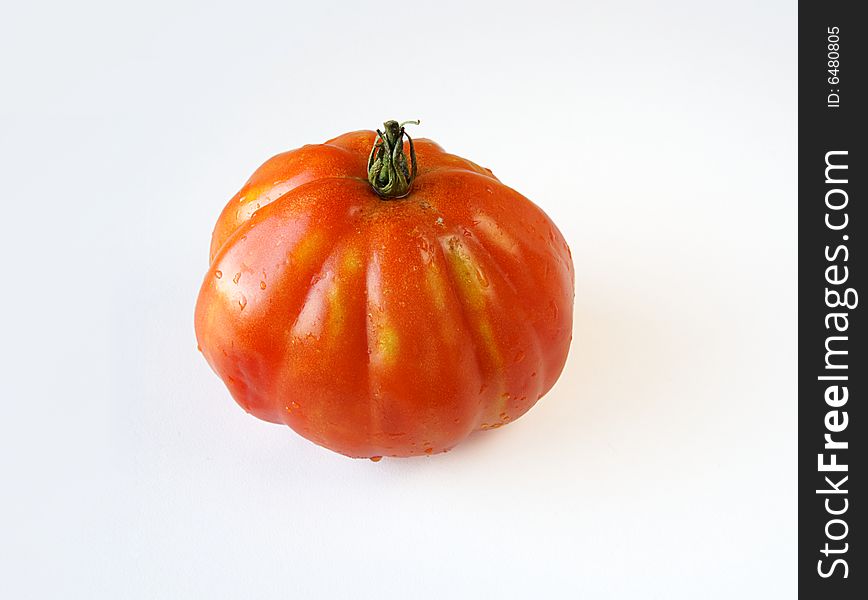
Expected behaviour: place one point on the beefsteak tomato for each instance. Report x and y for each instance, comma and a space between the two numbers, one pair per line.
380, 306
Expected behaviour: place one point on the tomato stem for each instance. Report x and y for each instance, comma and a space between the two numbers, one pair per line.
387, 166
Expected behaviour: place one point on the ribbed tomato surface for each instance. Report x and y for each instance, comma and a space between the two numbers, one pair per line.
384, 327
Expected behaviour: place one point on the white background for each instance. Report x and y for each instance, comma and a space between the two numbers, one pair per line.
659, 136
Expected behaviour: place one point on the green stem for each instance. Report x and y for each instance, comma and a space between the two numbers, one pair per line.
387, 166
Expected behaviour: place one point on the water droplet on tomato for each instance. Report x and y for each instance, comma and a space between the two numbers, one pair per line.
243, 301
429, 450
376, 458
262, 285
236, 278
218, 274
483, 280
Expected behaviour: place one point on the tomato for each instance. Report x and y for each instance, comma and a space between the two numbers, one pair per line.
380, 306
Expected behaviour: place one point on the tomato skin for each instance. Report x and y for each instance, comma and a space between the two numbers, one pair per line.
384, 327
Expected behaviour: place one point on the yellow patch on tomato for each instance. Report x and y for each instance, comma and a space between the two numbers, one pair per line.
436, 286
486, 332
472, 286
309, 248
468, 276
386, 345
337, 310
352, 261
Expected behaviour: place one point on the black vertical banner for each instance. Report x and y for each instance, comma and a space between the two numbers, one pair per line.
833, 369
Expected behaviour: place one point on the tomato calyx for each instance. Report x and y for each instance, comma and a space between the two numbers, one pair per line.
388, 173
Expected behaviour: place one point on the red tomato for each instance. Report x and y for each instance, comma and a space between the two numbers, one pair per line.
375, 325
